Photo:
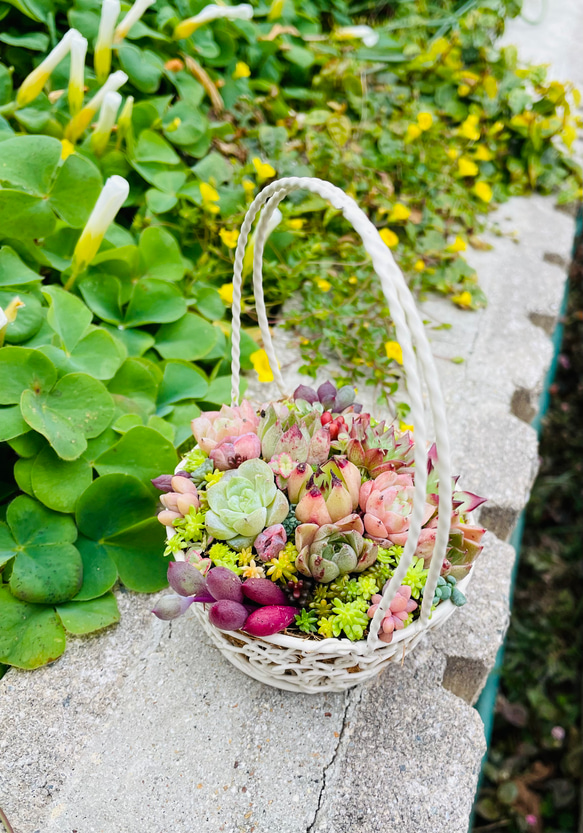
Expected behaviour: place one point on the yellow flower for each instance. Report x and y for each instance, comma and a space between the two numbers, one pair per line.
413, 132
296, 223
463, 300
264, 169
399, 212
261, 365
458, 245
419, 265
253, 570
248, 186
353, 279
463, 90
394, 351
469, 128
67, 148
483, 191
323, 284
496, 128
424, 120
452, 153
229, 238
389, 237
466, 167
569, 134
241, 70
483, 154
226, 293
490, 86
210, 196
405, 426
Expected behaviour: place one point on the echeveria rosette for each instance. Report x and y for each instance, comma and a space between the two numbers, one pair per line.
232, 451
212, 427
330, 494
243, 503
328, 551
374, 448
387, 503
286, 432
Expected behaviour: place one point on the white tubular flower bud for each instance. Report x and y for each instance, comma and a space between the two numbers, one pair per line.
105, 123
102, 55
244, 11
364, 33
84, 117
76, 91
124, 123
113, 195
33, 83
8, 316
132, 17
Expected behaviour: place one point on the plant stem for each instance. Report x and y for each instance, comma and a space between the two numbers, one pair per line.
7, 826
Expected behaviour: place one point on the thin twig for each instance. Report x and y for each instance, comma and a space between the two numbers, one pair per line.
7, 826
204, 78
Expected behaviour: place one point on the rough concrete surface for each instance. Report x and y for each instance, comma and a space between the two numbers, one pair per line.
147, 728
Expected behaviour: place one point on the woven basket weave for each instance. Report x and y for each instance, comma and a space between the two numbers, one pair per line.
312, 665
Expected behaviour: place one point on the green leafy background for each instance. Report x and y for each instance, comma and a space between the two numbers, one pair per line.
98, 385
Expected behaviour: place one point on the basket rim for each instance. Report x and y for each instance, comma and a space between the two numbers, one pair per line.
335, 645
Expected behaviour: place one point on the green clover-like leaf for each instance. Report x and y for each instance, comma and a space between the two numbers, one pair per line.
76, 408
117, 512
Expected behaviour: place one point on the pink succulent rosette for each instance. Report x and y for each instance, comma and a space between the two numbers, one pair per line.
396, 615
387, 503
212, 427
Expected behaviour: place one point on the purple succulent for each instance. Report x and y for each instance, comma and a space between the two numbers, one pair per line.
270, 542
329, 397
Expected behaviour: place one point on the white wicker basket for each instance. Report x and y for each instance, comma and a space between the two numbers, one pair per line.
313, 665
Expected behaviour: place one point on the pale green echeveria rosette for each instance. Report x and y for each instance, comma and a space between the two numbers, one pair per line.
243, 503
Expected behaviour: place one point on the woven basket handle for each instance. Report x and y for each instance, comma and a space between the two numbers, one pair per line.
418, 365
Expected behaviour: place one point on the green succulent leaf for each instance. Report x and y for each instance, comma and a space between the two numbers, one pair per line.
117, 513
76, 408
80, 617
30, 635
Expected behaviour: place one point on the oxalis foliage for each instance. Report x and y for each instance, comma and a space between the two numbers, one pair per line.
99, 380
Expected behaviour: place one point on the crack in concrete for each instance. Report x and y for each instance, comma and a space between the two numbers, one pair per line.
352, 700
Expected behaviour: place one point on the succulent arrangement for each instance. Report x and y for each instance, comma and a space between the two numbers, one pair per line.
294, 517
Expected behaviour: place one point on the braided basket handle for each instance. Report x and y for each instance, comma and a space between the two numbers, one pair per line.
418, 365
